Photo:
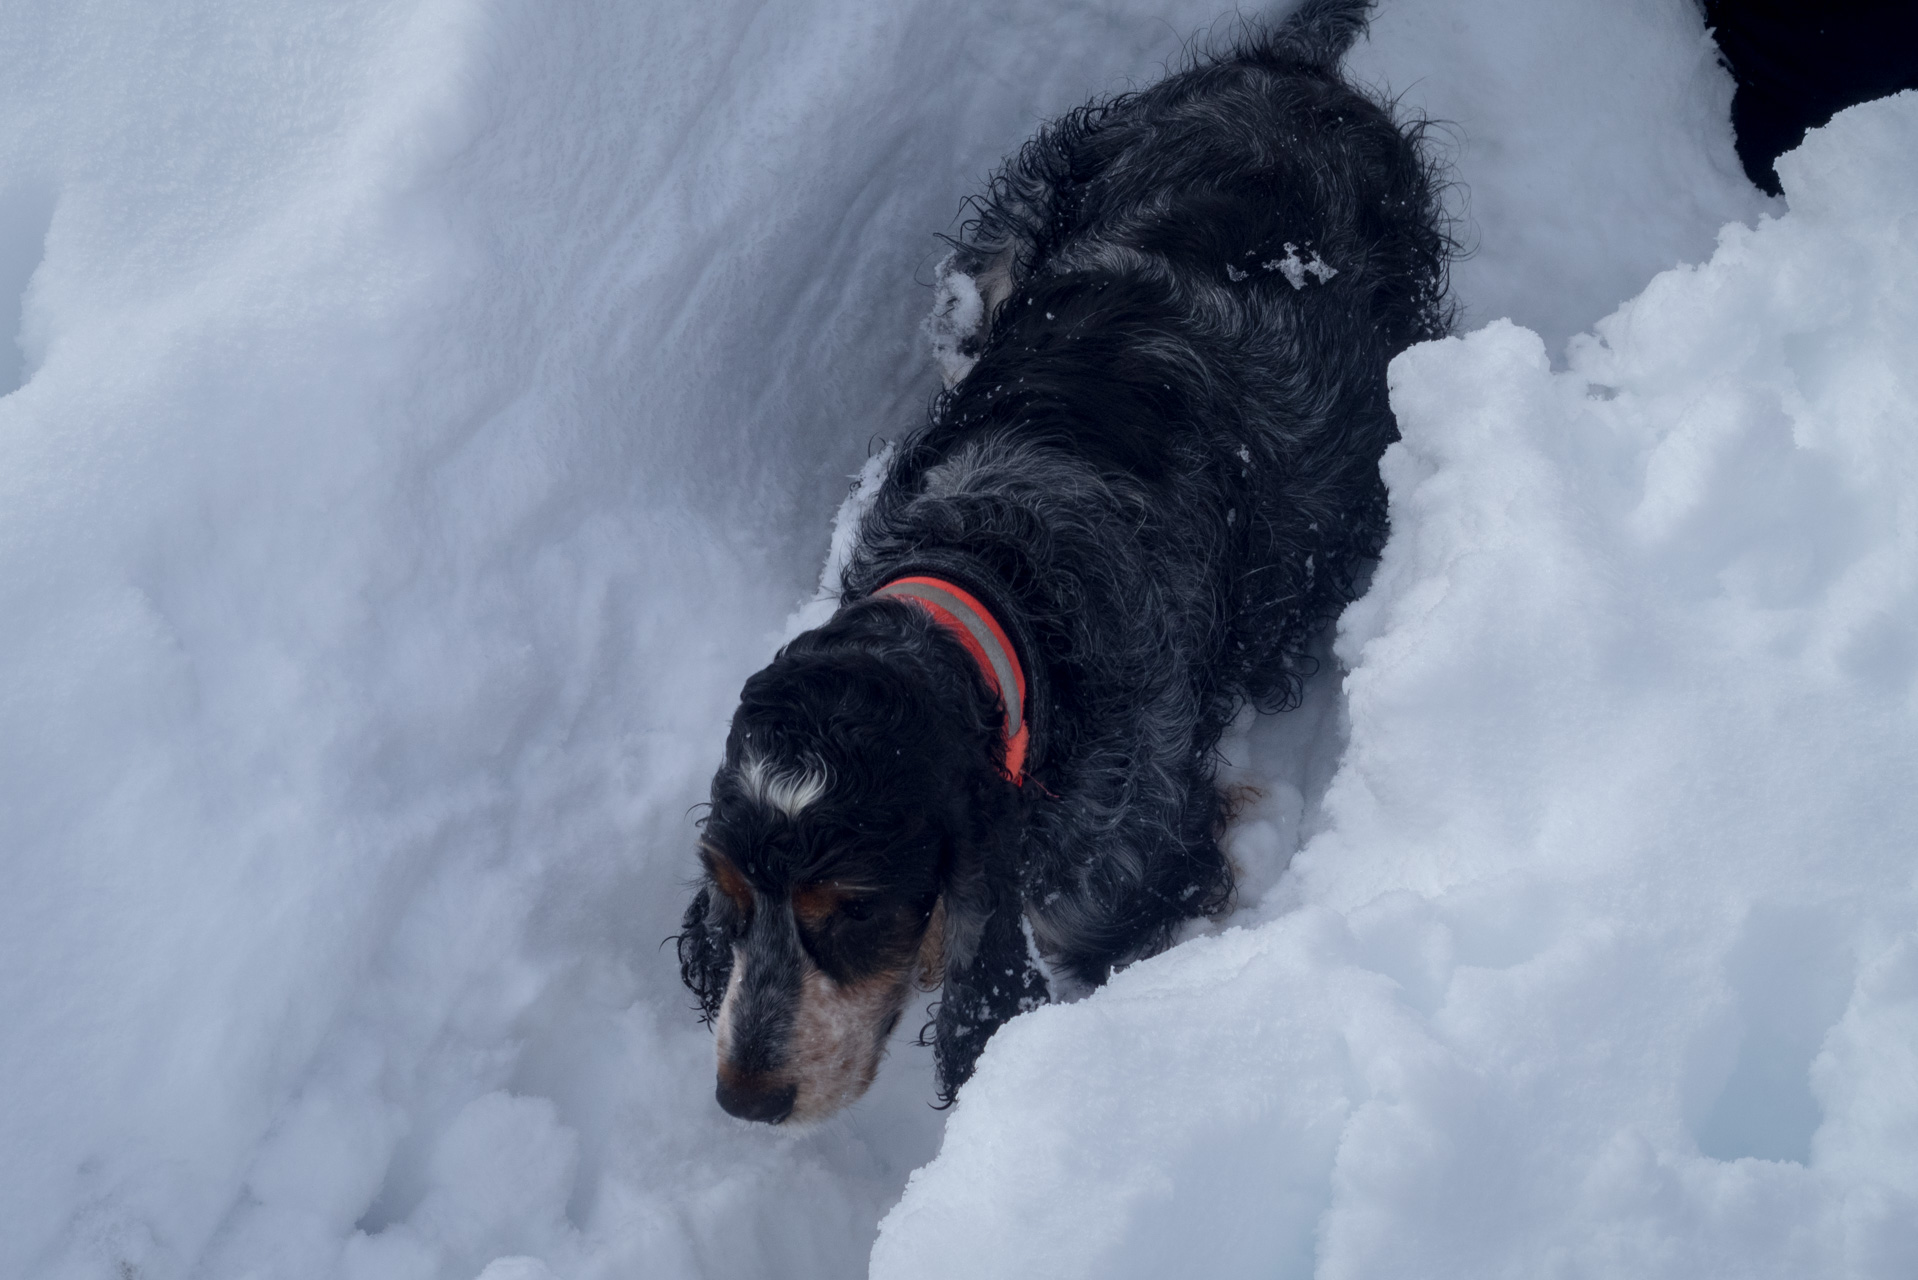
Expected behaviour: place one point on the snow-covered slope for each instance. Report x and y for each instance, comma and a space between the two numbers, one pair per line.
424, 414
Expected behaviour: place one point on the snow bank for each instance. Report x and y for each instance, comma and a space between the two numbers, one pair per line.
1606, 961
1593, 143
416, 419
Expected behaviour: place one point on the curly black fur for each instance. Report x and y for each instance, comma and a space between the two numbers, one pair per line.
1163, 463
705, 958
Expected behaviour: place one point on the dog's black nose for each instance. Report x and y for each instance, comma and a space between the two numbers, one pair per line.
752, 1098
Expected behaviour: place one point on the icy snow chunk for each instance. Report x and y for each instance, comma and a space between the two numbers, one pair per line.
1296, 269
845, 528
958, 313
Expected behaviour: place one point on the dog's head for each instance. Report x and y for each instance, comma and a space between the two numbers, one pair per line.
841, 856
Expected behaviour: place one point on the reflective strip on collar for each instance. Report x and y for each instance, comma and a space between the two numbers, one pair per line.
973, 625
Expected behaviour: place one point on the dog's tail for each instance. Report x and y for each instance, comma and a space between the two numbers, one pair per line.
1316, 33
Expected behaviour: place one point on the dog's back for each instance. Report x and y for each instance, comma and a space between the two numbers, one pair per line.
1225, 261
1200, 175
1164, 435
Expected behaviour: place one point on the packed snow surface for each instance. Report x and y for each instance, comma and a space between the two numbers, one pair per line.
423, 415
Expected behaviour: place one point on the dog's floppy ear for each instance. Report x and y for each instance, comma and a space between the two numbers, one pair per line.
990, 975
705, 958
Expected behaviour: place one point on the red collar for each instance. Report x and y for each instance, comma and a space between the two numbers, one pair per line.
972, 625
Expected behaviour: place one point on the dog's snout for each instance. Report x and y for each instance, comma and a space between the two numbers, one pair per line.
754, 1097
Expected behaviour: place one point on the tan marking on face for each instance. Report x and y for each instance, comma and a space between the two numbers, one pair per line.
727, 878
839, 1029
839, 1038
814, 904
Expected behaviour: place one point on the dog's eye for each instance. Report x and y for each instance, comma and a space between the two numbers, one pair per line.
826, 903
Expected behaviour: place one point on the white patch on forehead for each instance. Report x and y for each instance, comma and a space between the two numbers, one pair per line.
789, 792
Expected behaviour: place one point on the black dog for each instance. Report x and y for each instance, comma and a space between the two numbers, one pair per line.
1153, 478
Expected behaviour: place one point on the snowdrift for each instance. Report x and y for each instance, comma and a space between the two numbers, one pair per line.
417, 418
1606, 961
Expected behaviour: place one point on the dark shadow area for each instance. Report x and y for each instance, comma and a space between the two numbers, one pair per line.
26, 211
1800, 62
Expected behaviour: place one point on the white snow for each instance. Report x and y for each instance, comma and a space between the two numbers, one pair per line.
957, 312
422, 417
1297, 270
